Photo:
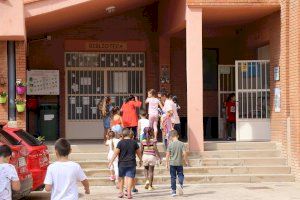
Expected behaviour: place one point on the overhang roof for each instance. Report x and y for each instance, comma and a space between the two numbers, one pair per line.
42, 16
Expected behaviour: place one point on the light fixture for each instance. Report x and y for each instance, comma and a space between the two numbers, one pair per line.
110, 9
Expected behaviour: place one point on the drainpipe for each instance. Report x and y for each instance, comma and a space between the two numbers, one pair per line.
11, 64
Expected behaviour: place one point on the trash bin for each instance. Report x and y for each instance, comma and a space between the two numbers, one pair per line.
49, 121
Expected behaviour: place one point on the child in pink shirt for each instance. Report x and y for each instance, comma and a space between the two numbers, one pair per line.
153, 103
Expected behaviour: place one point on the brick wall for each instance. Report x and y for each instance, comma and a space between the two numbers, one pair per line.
20, 74
281, 30
178, 73
293, 47
133, 25
3, 74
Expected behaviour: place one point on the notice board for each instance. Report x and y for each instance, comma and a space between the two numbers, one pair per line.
43, 82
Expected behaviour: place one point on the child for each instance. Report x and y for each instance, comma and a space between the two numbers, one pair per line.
175, 155
116, 121
142, 124
112, 142
62, 176
9, 179
166, 118
230, 115
153, 102
134, 190
150, 154
127, 149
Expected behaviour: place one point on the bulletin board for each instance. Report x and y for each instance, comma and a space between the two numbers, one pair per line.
43, 82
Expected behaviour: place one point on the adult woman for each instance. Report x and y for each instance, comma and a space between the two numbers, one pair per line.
175, 117
129, 115
105, 108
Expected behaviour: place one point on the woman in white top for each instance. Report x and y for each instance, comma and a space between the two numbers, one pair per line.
153, 103
175, 117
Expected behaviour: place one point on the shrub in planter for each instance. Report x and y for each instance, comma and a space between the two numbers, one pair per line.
20, 105
3, 97
21, 87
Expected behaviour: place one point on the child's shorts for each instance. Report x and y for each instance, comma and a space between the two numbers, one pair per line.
149, 160
127, 172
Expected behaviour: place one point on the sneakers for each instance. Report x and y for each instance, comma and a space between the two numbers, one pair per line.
180, 190
173, 194
112, 178
134, 190
147, 185
150, 188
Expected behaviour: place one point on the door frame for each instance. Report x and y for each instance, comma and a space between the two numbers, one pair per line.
221, 123
248, 124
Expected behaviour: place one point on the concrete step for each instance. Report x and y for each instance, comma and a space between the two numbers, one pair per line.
214, 146
204, 170
205, 154
103, 156
206, 179
208, 146
241, 153
242, 161
204, 162
96, 148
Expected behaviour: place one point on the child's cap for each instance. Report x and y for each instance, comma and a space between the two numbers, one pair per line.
5, 151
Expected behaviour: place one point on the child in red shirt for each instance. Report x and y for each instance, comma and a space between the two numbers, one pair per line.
230, 115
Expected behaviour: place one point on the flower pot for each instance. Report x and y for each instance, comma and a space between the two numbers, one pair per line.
3, 99
21, 90
21, 107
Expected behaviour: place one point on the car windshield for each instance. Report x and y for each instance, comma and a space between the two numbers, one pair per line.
5, 137
29, 139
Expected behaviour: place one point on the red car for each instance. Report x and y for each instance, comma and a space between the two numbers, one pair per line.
18, 159
38, 155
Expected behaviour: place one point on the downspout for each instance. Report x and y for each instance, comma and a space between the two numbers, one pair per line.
11, 64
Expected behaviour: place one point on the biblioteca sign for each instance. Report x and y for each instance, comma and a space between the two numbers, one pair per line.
106, 46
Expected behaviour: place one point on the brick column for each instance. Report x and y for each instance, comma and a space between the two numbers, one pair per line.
194, 78
294, 86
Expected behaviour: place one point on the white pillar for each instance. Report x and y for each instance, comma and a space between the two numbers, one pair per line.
194, 78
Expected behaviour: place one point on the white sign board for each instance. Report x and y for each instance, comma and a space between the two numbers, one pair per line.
42, 82
277, 99
276, 73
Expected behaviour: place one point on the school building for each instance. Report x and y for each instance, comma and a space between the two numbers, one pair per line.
72, 53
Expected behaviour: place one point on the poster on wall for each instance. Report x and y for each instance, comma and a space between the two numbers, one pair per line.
277, 99
43, 82
276, 73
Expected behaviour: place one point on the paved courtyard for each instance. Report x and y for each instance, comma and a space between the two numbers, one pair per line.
260, 191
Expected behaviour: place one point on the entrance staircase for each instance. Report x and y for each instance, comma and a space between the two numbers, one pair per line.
221, 162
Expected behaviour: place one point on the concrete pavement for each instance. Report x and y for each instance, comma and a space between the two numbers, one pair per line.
254, 191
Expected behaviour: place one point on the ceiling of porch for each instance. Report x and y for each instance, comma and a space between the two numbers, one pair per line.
42, 16
235, 15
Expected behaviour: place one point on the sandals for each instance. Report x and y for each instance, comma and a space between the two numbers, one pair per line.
121, 195
129, 196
